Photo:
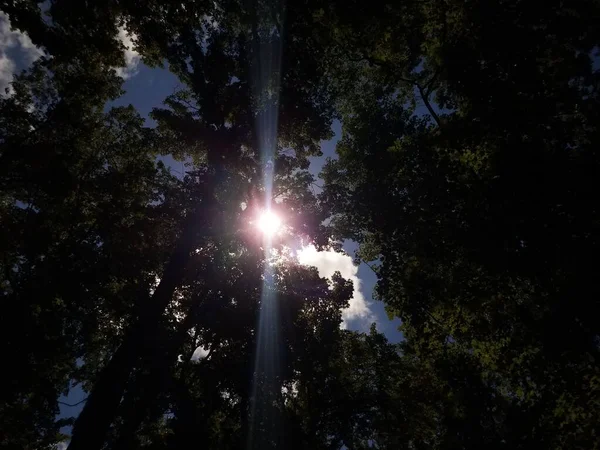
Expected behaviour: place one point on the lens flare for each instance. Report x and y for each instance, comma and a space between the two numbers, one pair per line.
269, 223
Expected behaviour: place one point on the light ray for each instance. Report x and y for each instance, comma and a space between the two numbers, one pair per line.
264, 430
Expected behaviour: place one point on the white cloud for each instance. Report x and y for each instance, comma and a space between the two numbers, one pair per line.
199, 354
132, 57
25, 50
328, 262
62, 446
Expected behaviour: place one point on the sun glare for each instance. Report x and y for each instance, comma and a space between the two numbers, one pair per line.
269, 223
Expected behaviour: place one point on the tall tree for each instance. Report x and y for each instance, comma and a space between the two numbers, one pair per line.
227, 97
465, 169
75, 180
230, 79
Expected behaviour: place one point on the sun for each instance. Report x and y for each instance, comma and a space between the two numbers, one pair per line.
269, 223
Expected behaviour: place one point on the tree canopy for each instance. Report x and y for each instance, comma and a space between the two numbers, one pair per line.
466, 170
466, 173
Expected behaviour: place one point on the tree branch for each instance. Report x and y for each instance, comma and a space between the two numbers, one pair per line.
425, 98
424, 90
374, 62
369, 266
428, 85
74, 404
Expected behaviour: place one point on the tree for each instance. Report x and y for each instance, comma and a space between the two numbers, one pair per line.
478, 204
206, 132
219, 130
465, 171
74, 183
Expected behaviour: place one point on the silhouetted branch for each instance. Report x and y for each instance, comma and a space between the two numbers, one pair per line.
425, 98
368, 265
74, 404
424, 90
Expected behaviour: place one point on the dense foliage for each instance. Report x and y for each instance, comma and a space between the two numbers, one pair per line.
466, 172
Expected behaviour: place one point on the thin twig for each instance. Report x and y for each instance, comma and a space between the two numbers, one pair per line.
72, 405
368, 265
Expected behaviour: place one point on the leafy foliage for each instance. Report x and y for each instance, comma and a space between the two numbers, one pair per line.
75, 186
480, 207
466, 172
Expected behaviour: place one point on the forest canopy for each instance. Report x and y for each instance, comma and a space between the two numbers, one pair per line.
158, 246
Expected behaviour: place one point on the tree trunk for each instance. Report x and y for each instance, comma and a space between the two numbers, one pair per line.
92, 425
145, 393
